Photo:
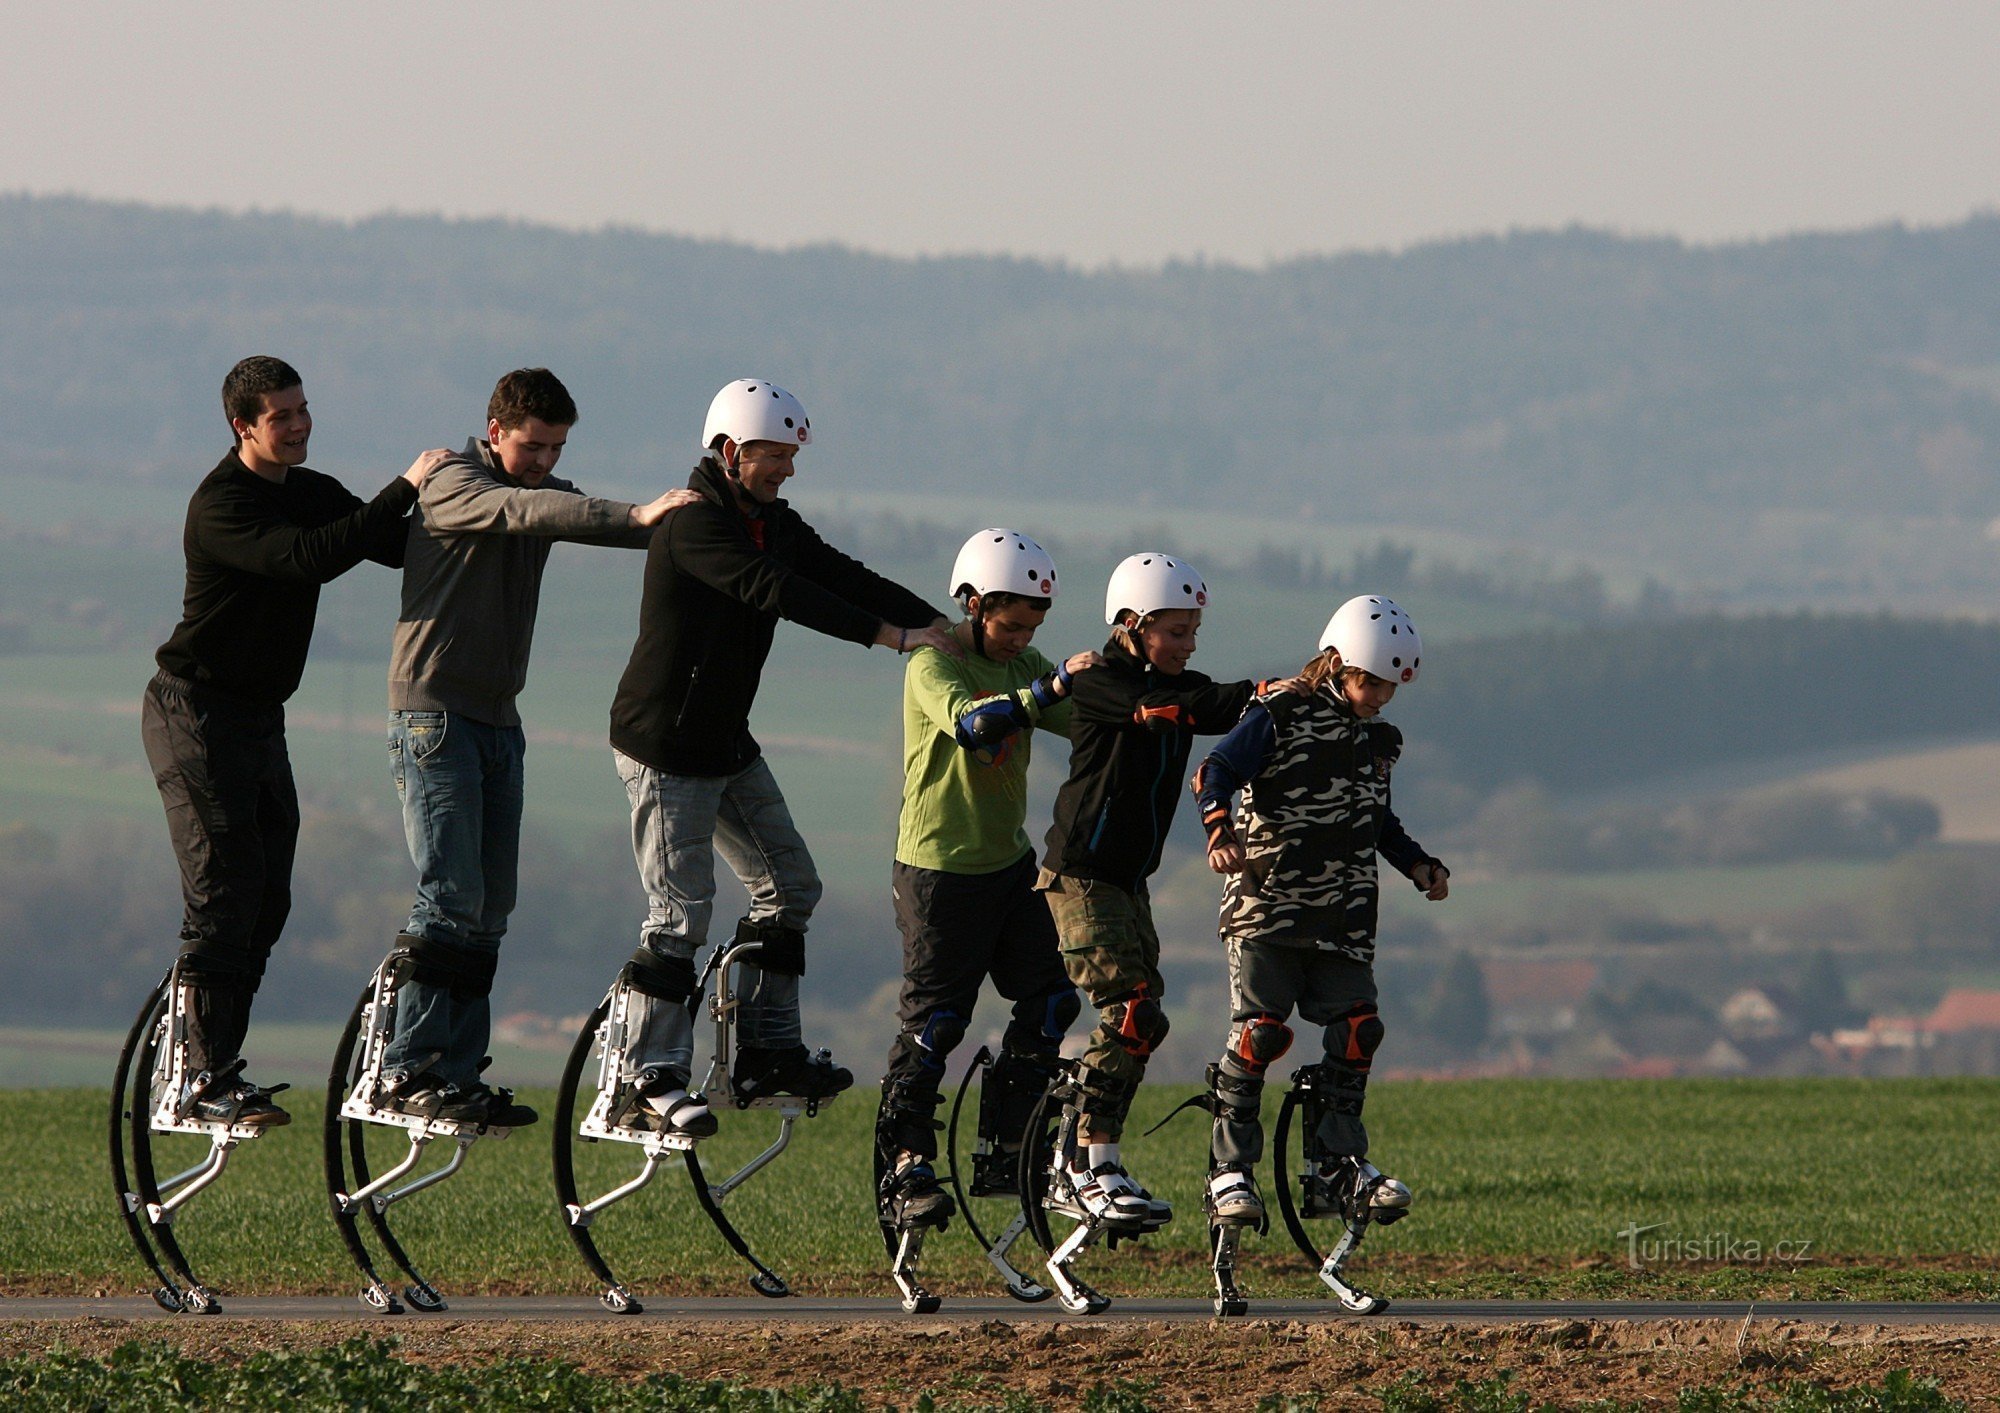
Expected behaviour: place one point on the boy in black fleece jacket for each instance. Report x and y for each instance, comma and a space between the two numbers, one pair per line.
719, 576
1135, 719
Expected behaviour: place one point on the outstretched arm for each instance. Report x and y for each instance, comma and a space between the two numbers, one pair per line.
465, 497
1236, 760
987, 722
233, 528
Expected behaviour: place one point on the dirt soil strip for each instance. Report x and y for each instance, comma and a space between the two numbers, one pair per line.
815, 1311
1186, 1364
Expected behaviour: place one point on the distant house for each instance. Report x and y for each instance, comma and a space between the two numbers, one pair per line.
1536, 998
1963, 1010
1762, 1012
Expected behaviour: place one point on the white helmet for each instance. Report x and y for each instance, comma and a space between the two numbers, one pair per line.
1371, 633
754, 410
1002, 561
1149, 583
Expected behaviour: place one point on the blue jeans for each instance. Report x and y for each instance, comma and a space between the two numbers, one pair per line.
461, 785
679, 824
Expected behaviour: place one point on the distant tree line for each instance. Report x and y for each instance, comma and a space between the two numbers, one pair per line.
1523, 827
1578, 708
1524, 384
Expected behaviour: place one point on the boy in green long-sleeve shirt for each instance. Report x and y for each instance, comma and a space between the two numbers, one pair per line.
964, 876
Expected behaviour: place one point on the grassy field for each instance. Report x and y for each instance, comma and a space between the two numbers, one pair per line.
1874, 1189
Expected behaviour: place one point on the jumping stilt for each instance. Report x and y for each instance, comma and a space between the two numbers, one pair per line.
1357, 1206
355, 1091
609, 1032
1224, 1240
1047, 1157
989, 1156
152, 1092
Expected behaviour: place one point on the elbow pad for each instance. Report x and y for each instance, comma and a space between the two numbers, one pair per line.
1164, 720
989, 724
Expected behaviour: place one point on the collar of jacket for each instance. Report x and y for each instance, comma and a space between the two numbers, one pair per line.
1331, 690
480, 450
711, 481
1116, 651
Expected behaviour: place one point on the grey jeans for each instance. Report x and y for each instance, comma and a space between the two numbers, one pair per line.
1269, 979
679, 824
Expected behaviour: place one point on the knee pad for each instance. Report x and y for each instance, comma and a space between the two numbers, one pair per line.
662, 977
1234, 1098
782, 949
1041, 1022
1141, 1024
1257, 1042
1059, 1013
1355, 1036
935, 1039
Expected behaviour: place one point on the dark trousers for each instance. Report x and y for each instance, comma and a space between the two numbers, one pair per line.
233, 817
1271, 979
958, 929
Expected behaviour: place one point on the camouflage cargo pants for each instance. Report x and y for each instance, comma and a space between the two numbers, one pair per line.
1112, 953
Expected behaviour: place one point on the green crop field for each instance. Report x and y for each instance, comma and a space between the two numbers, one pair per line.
1813, 1188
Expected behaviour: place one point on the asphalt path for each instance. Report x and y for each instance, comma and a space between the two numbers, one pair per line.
802, 1311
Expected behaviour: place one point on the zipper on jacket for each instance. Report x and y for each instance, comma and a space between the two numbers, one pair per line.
694, 678
1153, 808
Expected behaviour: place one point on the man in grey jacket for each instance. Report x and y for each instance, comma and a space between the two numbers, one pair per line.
472, 581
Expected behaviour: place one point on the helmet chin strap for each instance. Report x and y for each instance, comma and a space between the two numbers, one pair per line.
1138, 643
977, 618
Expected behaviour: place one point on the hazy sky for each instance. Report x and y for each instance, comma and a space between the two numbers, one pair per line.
1090, 132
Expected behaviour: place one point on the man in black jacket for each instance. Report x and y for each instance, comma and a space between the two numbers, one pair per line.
263, 533
719, 576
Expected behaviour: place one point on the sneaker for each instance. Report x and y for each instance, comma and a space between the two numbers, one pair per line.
424, 1098
1233, 1199
1108, 1194
229, 1098
914, 1198
495, 1108
1341, 1187
418, 1098
792, 1072
658, 1102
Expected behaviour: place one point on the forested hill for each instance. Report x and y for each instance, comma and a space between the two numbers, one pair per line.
1583, 708
1537, 384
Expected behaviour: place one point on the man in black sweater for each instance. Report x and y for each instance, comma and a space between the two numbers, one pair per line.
263, 533
719, 576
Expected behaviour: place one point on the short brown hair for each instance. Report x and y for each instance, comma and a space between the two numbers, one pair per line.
243, 390
530, 392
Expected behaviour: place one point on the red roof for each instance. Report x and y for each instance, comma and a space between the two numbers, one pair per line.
1511, 985
1965, 1010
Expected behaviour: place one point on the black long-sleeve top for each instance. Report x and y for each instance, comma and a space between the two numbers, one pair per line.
709, 611
1129, 743
257, 553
